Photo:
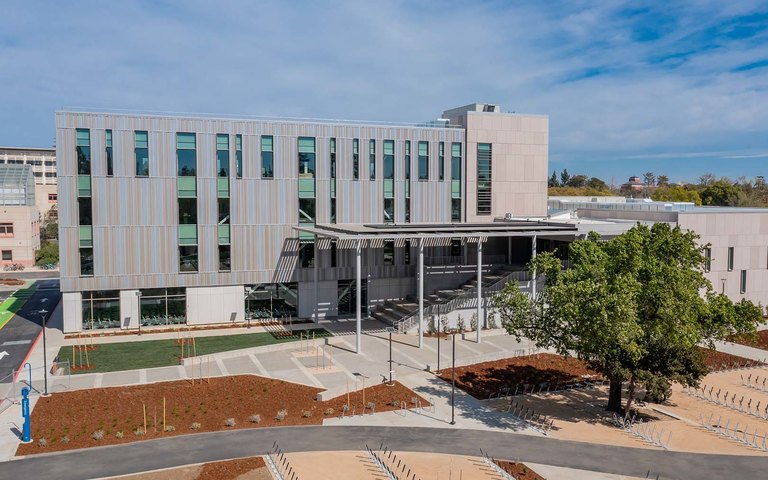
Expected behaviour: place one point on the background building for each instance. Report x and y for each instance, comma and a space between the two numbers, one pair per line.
197, 220
43, 162
19, 217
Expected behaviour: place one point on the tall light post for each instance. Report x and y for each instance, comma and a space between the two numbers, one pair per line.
248, 315
453, 379
45, 354
391, 370
138, 300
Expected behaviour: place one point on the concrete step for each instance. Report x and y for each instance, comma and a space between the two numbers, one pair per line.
402, 307
384, 316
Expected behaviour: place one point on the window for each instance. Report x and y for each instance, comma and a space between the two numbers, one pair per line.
7, 254
456, 191
333, 179
223, 211
306, 210
222, 155
456, 161
484, 165
389, 252
141, 152
455, 209
307, 254
423, 161
743, 285
455, 247
108, 135
187, 211
306, 157
239, 155
389, 159
186, 154
86, 262
730, 259
441, 161
224, 258
408, 210
407, 252
334, 253
6, 229
407, 160
187, 258
372, 159
333, 210
267, 157
707, 259
83, 148
85, 216
389, 210
347, 296
53, 197
50, 174
355, 159
333, 158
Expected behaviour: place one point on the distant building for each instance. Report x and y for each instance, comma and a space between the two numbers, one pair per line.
19, 216
43, 163
634, 184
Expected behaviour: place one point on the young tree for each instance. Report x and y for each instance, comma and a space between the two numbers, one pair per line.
721, 193
636, 306
597, 183
650, 180
578, 181
662, 181
553, 180
564, 177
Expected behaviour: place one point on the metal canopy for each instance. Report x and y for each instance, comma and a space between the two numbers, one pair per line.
517, 228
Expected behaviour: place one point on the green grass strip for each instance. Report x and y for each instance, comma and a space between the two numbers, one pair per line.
114, 357
13, 304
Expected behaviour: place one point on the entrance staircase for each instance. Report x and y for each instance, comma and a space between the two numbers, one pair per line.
404, 314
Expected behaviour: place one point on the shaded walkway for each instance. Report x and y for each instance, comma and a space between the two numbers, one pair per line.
206, 447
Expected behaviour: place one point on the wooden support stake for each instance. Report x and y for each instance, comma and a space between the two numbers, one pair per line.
144, 407
163, 412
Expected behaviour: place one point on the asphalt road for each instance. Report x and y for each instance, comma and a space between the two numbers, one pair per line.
186, 449
20, 333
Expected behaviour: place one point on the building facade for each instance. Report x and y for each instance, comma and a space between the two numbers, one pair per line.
43, 163
184, 219
19, 217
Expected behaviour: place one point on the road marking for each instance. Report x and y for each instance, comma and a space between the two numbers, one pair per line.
15, 342
3, 354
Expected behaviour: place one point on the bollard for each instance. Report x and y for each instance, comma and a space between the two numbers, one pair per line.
27, 428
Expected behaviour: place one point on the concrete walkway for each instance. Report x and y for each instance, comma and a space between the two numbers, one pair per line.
742, 351
207, 447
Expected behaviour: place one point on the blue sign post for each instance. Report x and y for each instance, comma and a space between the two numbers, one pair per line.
26, 430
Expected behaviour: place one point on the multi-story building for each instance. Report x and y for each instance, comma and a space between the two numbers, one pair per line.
43, 162
190, 219
19, 217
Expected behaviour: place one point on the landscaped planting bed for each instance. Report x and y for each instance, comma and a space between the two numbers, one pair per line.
482, 379
715, 360
103, 416
761, 341
519, 470
230, 469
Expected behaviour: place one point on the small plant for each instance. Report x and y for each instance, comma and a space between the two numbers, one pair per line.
444, 323
329, 411
98, 435
460, 323
492, 320
281, 415
139, 432
395, 403
195, 426
64, 439
42, 443
414, 400
170, 428
230, 422
255, 418
371, 406
431, 327
306, 413
473, 322
119, 434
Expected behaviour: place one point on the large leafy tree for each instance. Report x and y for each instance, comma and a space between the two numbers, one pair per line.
636, 306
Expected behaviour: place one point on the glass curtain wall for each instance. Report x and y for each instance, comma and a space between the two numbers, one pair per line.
101, 309
163, 306
272, 300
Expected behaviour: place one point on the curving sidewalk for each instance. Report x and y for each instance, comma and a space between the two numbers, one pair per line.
182, 450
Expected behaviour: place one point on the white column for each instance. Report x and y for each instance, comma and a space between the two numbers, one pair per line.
533, 274
421, 292
479, 286
358, 294
314, 273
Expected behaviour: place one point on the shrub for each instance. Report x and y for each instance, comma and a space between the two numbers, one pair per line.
64, 439
395, 403
306, 413
431, 327
255, 418
444, 323
98, 435
492, 320
170, 428
42, 443
371, 405
195, 426
329, 411
48, 253
414, 400
119, 434
473, 322
139, 432
281, 415
230, 422
460, 323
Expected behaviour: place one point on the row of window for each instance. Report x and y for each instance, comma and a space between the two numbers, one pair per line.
36, 163
6, 229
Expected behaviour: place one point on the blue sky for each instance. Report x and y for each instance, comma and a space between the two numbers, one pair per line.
677, 88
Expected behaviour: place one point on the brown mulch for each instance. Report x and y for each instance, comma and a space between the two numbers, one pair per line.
519, 470
760, 341
230, 469
67, 420
482, 379
11, 281
715, 360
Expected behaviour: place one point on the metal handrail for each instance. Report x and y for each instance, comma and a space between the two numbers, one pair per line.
461, 260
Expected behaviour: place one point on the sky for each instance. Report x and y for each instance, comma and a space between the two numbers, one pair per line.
676, 88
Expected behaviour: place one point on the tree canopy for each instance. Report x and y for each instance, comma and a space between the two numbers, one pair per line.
636, 306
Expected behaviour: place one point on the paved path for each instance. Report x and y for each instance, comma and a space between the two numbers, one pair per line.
187, 449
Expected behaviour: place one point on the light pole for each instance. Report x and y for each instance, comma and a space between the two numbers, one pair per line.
438, 350
138, 300
723, 281
45, 355
390, 330
453, 380
248, 305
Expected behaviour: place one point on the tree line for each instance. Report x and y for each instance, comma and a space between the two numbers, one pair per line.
709, 190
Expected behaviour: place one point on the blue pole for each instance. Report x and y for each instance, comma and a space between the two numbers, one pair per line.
30, 373
26, 429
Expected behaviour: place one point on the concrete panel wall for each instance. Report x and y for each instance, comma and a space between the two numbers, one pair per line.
73, 311
130, 317
215, 304
25, 240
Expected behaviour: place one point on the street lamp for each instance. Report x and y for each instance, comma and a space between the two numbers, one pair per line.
390, 330
453, 379
45, 354
248, 293
138, 297
723, 280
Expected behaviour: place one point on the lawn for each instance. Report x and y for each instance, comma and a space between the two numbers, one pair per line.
112, 357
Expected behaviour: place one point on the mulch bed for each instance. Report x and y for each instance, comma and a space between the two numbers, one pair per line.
11, 281
482, 379
68, 420
715, 360
519, 470
761, 341
230, 469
